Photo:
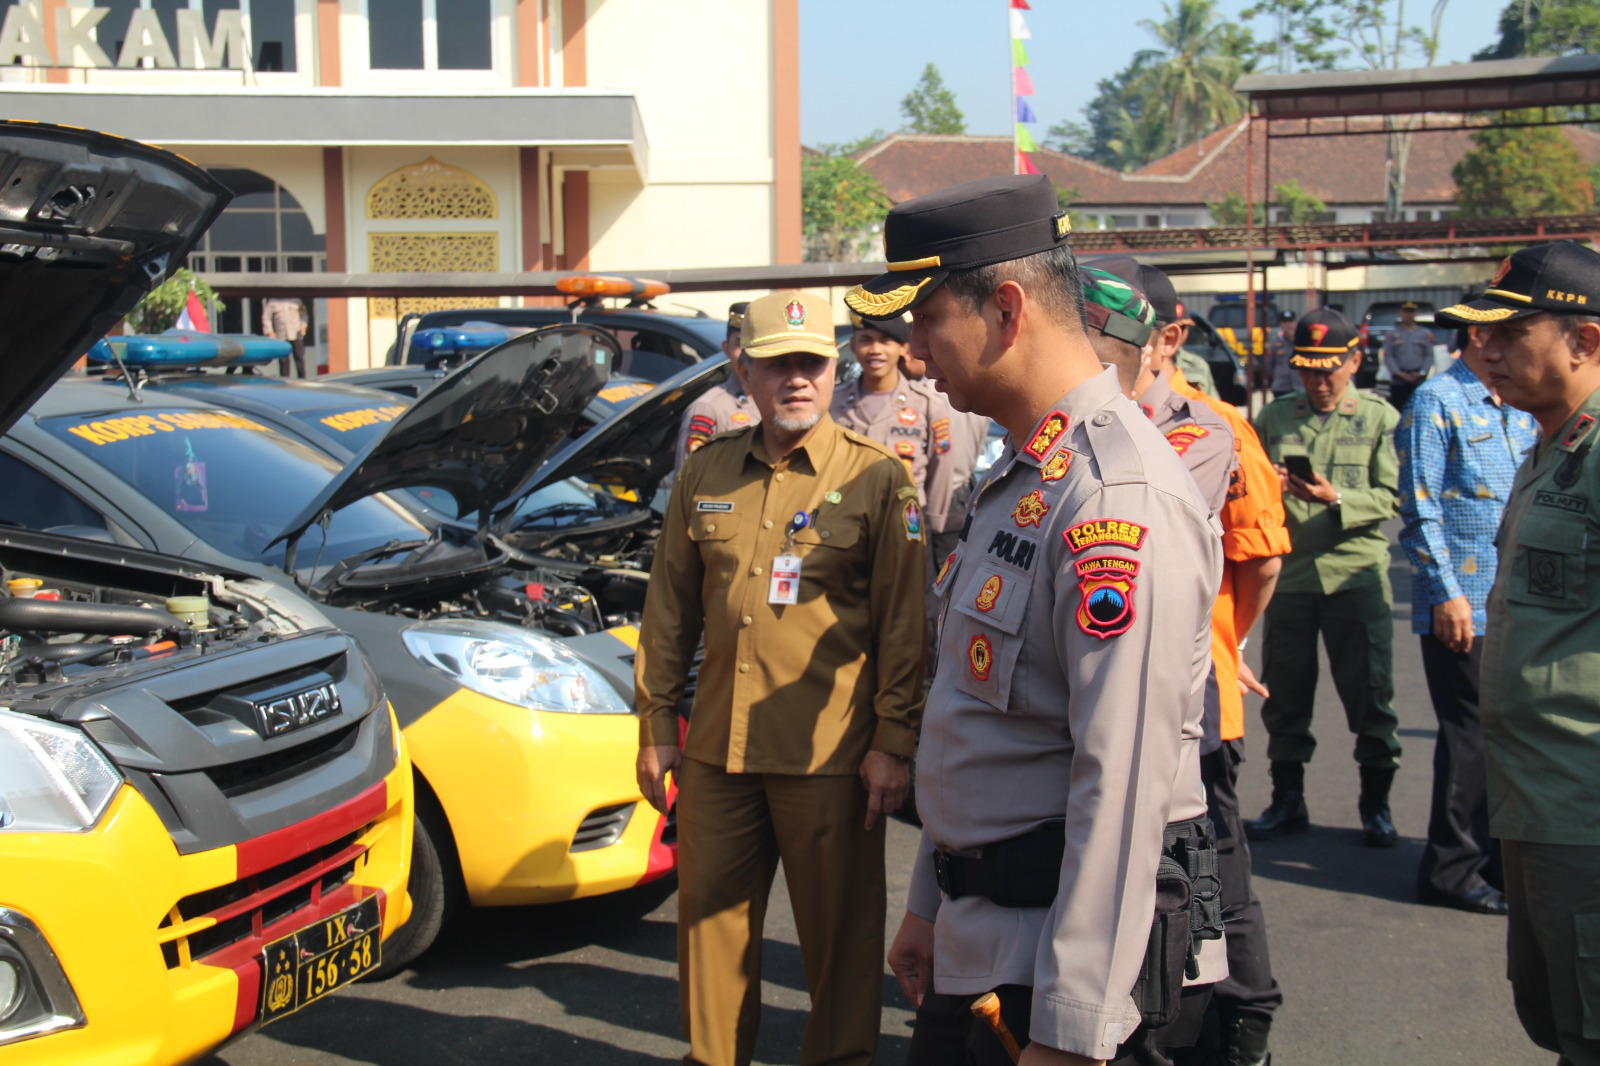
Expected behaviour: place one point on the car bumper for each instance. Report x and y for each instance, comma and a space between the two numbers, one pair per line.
542, 806
124, 916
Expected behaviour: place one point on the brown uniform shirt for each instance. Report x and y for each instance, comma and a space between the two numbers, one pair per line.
1073, 651
805, 688
915, 425
717, 410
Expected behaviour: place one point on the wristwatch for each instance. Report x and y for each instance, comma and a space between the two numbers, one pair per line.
1338, 499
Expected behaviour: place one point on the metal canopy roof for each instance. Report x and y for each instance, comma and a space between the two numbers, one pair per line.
1502, 84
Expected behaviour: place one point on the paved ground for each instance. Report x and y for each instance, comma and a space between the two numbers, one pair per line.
1369, 976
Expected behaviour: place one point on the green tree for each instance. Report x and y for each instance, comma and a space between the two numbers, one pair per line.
1193, 72
1557, 27
1290, 204
930, 107
1522, 172
161, 306
1324, 34
840, 204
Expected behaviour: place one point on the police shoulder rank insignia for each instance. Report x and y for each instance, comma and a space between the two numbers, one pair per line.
989, 593
1055, 468
941, 435
907, 416
1030, 509
1181, 437
980, 656
911, 515
1580, 429
1105, 531
1107, 586
1054, 424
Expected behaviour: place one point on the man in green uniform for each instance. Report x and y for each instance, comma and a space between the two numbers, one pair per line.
1333, 446
1540, 685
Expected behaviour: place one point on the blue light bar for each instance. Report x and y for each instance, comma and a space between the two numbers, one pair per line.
181, 349
458, 340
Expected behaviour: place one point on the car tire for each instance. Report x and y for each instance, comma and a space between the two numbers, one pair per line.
434, 885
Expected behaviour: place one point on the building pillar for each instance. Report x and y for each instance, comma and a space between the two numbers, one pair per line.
337, 240
787, 244
574, 43
328, 45
575, 220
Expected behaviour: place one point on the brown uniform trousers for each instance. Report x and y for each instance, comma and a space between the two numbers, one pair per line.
788, 702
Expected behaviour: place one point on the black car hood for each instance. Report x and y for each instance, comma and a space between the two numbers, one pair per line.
635, 448
484, 429
89, 223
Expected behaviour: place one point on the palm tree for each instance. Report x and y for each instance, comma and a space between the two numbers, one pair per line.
1194, 69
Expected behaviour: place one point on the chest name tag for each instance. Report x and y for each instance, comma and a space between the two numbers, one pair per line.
785, 587
713, 505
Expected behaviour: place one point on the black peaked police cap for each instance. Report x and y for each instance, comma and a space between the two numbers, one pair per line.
1560, 277
969, 225
1323, 340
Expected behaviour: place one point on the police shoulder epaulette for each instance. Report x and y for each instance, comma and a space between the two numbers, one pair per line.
727, 434
1115, 452
1374, 399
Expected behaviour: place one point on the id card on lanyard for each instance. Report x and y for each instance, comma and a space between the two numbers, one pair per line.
785, 586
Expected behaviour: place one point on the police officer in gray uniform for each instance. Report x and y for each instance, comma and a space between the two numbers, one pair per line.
908, 417
1060, 752
725, 407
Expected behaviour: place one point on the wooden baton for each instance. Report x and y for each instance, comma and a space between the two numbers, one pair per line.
987, 1007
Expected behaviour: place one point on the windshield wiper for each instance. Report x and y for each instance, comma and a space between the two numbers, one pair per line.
345, 567
555, 510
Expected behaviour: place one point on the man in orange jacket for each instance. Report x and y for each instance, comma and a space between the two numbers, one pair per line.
1253, 538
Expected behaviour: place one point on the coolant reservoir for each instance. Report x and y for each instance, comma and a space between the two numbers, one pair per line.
196, 610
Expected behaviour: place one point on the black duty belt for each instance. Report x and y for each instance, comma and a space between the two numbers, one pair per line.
1023, 871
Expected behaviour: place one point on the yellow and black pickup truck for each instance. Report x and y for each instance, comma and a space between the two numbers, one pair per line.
206, 802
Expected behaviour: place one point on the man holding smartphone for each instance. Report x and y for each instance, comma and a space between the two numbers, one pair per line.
1333, 446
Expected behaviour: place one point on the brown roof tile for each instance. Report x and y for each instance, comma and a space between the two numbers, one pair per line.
1343, 169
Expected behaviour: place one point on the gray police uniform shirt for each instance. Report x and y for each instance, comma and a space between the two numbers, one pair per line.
968, 434
1410, 350
1201, 437
1281, 375
1073, 650
718, 410
915, 425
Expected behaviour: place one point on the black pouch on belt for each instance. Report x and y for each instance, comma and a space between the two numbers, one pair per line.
1160, 984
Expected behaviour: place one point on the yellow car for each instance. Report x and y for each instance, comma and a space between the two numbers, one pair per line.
206, 804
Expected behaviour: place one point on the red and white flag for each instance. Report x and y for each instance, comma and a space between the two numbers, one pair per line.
193, 315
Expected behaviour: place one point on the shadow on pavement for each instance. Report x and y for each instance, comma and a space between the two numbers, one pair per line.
395, 1034
1333, 859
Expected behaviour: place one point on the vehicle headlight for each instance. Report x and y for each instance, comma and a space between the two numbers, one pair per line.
52, 777
514, 665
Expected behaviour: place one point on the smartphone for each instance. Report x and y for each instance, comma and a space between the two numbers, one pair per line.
1299, 466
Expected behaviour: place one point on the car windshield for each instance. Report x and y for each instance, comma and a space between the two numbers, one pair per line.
233, 482
570, 502
354, 426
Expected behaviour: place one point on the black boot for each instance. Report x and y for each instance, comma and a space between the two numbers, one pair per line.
1247, 1041
1287, 813
1377, 827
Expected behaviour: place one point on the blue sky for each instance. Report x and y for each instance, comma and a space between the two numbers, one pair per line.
859, 57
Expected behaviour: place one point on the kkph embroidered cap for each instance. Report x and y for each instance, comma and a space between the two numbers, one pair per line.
736, 317
1561, 276
1116, 308
1323, 340
969, 225
788, 321
897, 328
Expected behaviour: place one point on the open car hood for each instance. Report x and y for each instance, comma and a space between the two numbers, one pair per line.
635, 448
89, 223
483, 430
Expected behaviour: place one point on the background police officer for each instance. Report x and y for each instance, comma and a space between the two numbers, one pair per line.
1408, 353
907, 416
728, 406
1541, 656
1089, 546
1334, 447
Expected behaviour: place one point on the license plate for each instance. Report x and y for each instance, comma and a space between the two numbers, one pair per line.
305, 966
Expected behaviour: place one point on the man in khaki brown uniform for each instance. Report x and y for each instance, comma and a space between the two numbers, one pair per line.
1061, 744
796, 549
728, 406
906, 416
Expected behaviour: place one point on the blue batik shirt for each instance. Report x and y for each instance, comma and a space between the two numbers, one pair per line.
1458, 452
